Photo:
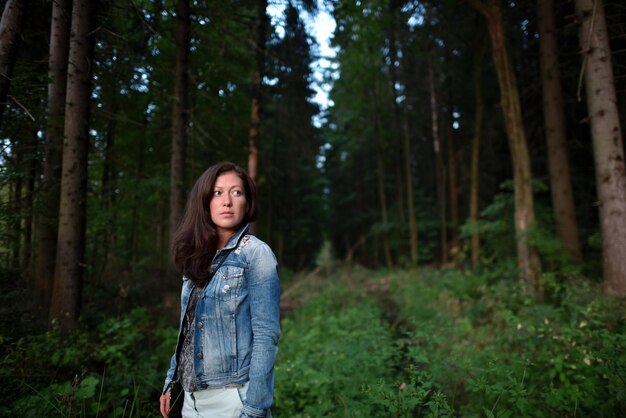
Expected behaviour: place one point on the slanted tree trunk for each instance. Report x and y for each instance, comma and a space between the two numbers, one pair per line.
255, 110
558, 161
10, 32
46, 222
179, 114
527, 257
68, 274
475, 165
608, 143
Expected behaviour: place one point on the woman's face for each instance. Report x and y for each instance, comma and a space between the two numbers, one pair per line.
228, 203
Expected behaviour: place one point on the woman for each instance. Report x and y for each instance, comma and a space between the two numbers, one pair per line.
230, 302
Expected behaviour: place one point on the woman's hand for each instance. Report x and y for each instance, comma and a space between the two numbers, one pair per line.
165, 403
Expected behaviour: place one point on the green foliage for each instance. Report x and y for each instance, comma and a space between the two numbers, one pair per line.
415, 398
332, 348
498, 353
115, 369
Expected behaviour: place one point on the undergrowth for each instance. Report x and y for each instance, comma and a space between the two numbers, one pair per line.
497, 352
114, 369
412, 343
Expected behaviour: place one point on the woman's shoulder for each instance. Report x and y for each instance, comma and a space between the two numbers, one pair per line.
252, 246
250, 242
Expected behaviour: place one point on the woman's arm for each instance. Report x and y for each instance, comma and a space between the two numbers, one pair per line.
264, 294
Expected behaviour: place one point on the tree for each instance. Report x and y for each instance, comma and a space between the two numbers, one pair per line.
288, 155
475, 156
70, 263
255, 109
48, 204
10, 28
439, 168
527, 257
402, 131
608, 145
555, 132
179, 114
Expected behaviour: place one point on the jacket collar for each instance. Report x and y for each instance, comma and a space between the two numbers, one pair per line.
234, 240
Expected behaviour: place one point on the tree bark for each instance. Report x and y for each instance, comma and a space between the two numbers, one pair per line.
10, 31
380, 175
475, 165
608, 145
179, 114
68, 275
453, 189
46, 223
527, 258
403, 131
558, 161
255, 110
439, 170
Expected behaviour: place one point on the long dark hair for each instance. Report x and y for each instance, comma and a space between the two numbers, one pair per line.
194, 243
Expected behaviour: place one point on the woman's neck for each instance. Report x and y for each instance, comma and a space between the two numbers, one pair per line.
222, 238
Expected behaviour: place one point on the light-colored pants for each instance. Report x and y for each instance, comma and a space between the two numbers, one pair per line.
215, 403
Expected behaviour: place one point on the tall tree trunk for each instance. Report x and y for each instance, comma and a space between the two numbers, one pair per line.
27, 248
402, 129
179, 114
527, 258
10, 35
439, 174
453, 189
475, 172
558, 161
46, 223
255, 110
17, 204
380, 177
608, 143
68, 274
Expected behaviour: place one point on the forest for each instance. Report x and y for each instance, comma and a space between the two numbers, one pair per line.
449, 218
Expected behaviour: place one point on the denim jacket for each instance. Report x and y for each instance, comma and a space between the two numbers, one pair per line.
237, 322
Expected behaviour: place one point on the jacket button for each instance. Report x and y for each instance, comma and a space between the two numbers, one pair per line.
199, 325
199, 356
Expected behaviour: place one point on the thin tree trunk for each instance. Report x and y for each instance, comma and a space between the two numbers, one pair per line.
558, 161
380, 175
475, 168
255, 110
10, 36
17, 205
408, 173
453, 188
608, 143
66, 293
439, 175
527, 258
179, 114
46, 224
403, 131
27, 247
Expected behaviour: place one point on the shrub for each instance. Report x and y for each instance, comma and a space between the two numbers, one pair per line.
333, 346
116, 369
496, 352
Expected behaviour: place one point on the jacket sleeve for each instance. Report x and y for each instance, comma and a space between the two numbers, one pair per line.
264, 293
170, 372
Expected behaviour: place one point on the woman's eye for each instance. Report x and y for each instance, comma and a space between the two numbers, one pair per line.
217, 193
237, 193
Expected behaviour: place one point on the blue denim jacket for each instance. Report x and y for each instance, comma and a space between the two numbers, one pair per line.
237, 323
